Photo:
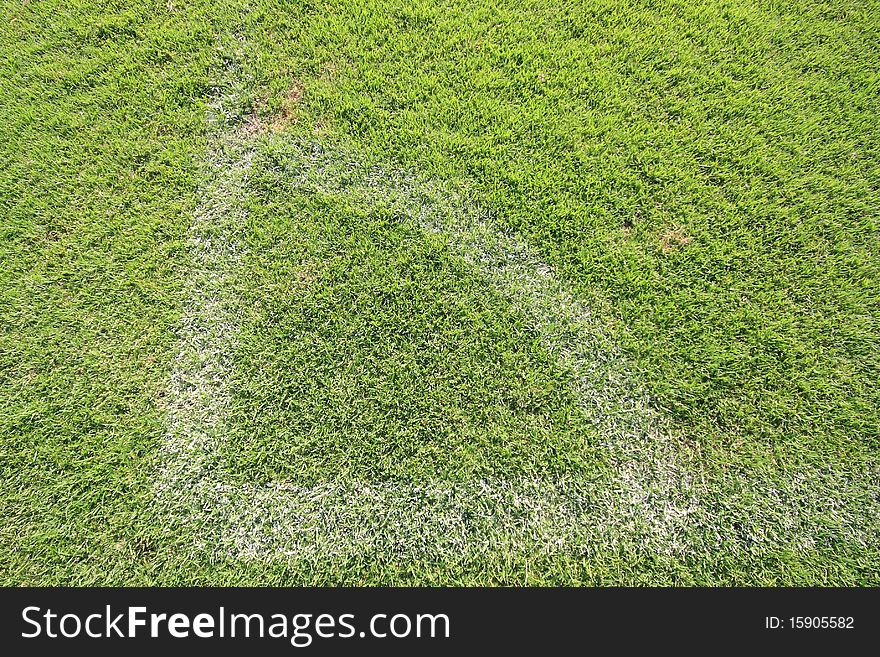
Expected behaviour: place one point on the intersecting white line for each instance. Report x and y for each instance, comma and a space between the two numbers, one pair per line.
653, 498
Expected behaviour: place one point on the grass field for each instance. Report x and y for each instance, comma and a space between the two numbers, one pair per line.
404, 292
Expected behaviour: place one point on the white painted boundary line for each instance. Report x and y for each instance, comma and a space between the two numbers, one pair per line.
654, 499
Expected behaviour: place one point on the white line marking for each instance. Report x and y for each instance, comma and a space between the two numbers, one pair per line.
656, 498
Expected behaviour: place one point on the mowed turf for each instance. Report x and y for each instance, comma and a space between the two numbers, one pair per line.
703, 175
367, 351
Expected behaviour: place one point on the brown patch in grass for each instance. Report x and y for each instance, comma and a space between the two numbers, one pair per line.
306, 274
673, 238
287, 114
295, 282
253, 125
321, 128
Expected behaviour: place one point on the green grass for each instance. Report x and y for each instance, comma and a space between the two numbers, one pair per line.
704, 176
368, 351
